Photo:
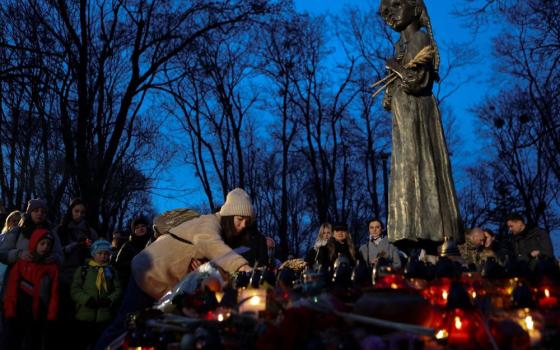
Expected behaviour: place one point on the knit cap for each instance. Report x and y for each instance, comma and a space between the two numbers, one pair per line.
100, 245
35, 204
237, 203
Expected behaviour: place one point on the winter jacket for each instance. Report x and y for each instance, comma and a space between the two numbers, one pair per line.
84, 288
35, 282
128, 251
381, 248
77, 256
14, 241
165, 262
532, 239
329, 253
258, 252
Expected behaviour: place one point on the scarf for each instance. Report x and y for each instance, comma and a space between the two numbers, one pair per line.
320, 243
100, 281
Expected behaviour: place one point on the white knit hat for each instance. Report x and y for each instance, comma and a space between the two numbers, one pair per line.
237, 203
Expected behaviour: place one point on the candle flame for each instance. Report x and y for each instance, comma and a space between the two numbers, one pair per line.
255, 300
444, 295
473, 294
458, 323
529, 322
547, 293
219, 296
394, 286
441, 334
220, 317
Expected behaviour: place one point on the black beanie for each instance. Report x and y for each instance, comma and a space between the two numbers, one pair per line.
138, 221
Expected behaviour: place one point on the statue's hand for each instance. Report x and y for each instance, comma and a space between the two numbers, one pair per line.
394, 66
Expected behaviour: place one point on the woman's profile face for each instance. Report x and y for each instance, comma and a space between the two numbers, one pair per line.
78, 213
240, 223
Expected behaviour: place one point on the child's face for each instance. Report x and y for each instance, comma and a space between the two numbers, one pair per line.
44, 247
38, 215
102, 257
397, 13
78, 213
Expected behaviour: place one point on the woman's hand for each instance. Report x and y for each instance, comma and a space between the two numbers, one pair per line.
25, 255
195, 264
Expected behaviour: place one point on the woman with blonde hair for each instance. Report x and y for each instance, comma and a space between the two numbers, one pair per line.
323, 236
11, 221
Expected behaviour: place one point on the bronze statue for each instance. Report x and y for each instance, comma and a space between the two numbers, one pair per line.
422, 200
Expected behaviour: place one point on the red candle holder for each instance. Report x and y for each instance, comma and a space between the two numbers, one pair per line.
547, 300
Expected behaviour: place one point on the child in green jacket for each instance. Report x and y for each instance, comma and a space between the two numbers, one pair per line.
96, 291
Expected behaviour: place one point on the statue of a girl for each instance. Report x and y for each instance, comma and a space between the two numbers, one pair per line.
422, 200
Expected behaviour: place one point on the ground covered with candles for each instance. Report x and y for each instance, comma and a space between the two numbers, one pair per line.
429, 307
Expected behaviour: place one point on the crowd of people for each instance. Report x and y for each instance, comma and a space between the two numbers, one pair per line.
65, 283
525, 245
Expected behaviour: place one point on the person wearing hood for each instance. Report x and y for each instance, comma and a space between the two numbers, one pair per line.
140, 237
95, 290
31, 295
165, 262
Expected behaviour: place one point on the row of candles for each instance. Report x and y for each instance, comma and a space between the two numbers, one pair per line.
455, 325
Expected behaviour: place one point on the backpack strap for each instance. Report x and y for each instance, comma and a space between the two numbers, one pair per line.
180, 239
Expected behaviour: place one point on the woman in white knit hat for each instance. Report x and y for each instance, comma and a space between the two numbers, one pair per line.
161, 265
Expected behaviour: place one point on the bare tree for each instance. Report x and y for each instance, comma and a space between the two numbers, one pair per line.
104, 59
521, 164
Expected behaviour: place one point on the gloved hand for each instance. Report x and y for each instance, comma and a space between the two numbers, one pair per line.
104, 302
92, 303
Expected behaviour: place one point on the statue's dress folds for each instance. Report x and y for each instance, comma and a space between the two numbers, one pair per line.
422, 199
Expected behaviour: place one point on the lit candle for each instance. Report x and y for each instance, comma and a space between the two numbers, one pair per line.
531, 322
252, 301
548, 301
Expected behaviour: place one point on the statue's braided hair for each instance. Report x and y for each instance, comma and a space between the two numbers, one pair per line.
422, 14
426, 22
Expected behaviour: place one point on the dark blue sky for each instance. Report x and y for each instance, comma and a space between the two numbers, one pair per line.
179, 187
182, 189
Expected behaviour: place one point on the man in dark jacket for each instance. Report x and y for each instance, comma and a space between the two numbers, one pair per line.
528, 241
